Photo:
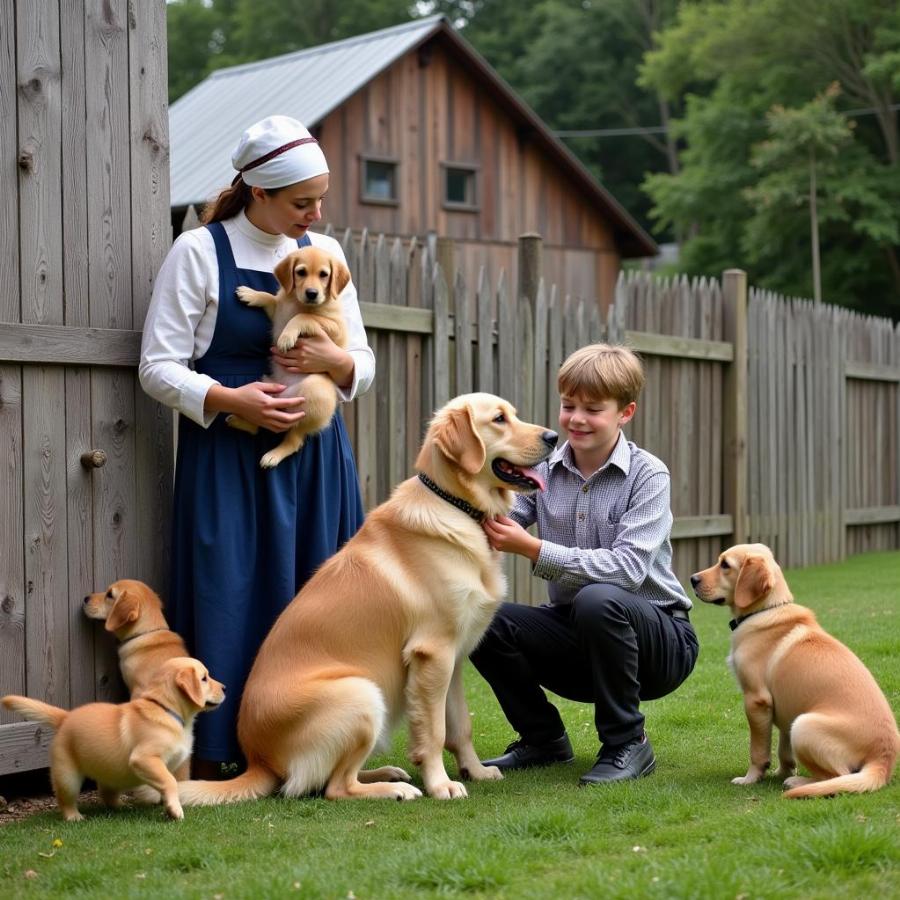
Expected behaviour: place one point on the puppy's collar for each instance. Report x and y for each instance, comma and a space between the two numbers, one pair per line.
733, 624
471, 511
134, 637
171, 712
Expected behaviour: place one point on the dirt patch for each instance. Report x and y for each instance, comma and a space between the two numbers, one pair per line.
22, 796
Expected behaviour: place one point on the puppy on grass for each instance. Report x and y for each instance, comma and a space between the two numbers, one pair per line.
307, 304
831, 715
122, 746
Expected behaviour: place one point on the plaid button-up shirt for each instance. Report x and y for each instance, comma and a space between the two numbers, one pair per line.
612, 527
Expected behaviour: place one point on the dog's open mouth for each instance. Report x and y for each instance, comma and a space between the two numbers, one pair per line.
520, 476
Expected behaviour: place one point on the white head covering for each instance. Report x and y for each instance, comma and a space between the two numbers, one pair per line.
276, 152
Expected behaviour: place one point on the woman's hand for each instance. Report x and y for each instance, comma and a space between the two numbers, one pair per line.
505, 534
317, 354
258, 403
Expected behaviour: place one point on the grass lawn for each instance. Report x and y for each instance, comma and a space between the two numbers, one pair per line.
683, 832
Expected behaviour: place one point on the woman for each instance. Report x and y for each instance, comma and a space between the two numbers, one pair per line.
245, 539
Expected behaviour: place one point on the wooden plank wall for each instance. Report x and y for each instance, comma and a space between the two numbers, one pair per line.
824, 453
84, 224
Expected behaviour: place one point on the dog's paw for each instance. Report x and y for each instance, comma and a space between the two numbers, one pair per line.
145, 795
286, 341
245, 294
746, 779
481, 773
385, 773
782, 773
174, 811
402, 791
448, 790
73, 816
796, 781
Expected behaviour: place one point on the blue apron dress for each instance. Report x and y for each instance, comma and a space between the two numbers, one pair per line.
245, 539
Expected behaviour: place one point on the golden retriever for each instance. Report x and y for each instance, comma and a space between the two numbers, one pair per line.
133, 613
122, 746
384, 627
307, 304
831, 715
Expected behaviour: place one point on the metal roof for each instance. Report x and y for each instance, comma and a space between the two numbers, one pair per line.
206, 123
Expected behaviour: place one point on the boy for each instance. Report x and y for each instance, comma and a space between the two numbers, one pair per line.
616, 629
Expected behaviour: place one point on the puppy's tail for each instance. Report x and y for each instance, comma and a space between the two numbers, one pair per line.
35, 710
873, 776
258, 781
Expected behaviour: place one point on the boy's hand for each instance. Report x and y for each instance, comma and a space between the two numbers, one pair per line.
505, 534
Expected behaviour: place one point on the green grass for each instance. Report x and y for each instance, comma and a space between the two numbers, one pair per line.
684, 832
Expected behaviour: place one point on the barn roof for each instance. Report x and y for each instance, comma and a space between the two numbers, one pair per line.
206, 122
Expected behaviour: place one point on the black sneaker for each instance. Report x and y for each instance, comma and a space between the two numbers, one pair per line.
622, 762
522, 755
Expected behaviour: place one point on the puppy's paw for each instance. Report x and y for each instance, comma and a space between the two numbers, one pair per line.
782, 773
245, 294
73, 815
448, 790
746, 779
174, 810
286, 341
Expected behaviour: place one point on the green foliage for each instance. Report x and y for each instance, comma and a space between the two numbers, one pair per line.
685, 832
760, 119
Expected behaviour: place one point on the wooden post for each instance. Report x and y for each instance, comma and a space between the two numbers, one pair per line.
531, 269
734, 402
531, 265
445, 255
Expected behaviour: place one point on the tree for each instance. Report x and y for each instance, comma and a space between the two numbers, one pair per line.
735, 62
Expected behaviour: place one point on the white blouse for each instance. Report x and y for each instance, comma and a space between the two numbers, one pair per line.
182, 315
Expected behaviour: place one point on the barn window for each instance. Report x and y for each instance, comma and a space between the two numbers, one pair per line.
460, 186
379, 180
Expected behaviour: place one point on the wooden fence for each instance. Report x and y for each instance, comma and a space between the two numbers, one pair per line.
778, 418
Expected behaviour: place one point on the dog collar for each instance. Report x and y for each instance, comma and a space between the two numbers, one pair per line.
171, 712
134, 637
733, 624
471, 511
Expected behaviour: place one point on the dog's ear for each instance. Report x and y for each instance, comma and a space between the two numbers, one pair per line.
284, 272
125, 610
188, 682
458, 440
340, 278
754, 581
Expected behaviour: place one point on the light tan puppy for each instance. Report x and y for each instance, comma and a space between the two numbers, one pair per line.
133, 613
122, 746
383, 628
831, 715
307, 304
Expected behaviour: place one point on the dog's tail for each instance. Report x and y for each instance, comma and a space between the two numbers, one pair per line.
35, 710
873, 776
258, 781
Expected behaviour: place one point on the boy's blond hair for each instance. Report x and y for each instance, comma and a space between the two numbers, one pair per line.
602, 372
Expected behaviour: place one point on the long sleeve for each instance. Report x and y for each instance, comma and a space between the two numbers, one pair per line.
181, 297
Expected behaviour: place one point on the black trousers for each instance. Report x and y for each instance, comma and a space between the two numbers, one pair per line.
609, 647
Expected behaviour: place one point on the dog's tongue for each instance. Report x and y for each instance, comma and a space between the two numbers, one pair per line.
533, 475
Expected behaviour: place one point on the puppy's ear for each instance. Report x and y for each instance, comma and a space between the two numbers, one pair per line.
458, 440
754, 581
284, 272
340, 278
188, 682
126, 610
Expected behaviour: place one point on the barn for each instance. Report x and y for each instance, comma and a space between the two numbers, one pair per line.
422, 136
